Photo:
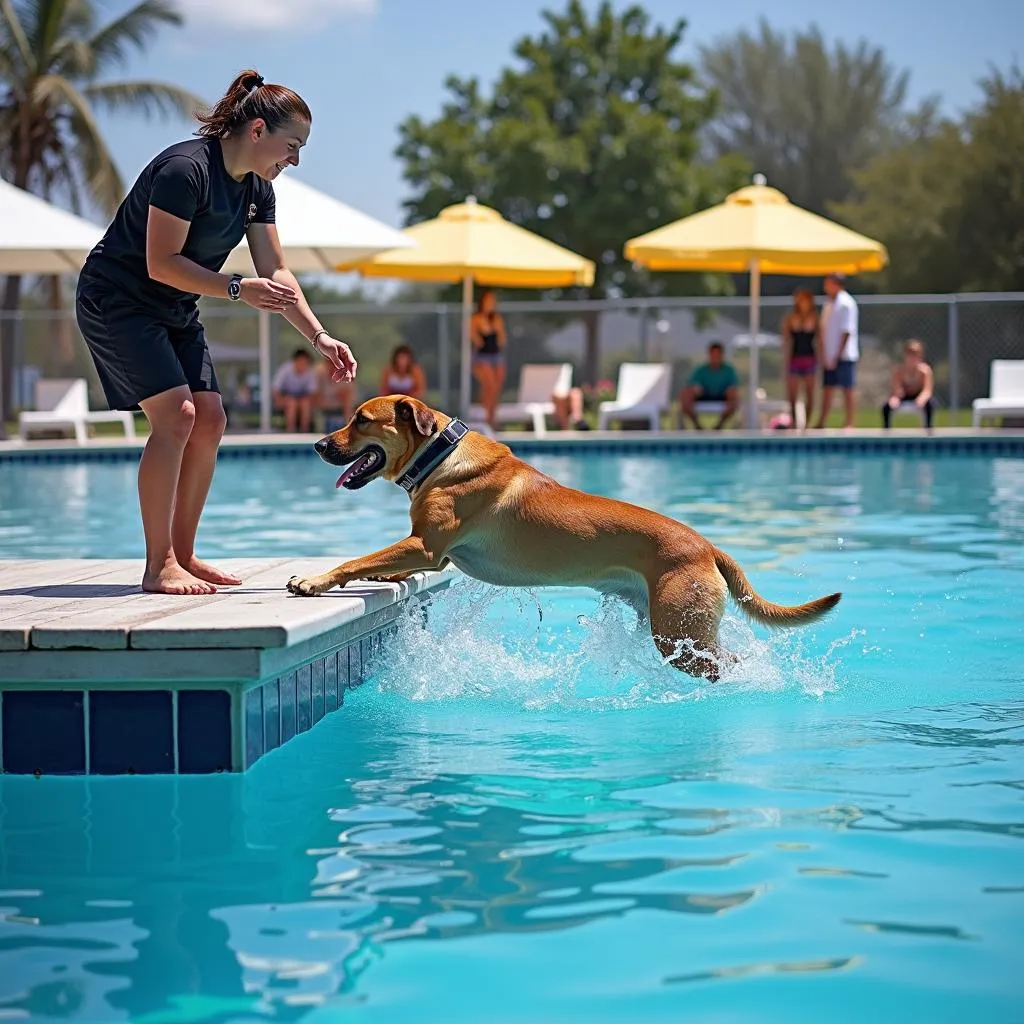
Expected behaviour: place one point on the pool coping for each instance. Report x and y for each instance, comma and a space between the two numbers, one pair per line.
243, 446
98, 678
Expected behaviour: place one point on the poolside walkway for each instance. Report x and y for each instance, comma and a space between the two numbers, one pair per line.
97, 676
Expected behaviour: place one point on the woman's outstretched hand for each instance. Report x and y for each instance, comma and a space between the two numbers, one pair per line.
339, 355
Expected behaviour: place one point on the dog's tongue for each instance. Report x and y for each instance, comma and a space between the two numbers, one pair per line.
364, 461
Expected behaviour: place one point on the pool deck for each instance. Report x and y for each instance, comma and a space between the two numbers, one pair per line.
98, 677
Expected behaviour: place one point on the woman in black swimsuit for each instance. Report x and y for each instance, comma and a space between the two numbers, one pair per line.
912, 381
487, 334
137, 305
801, 342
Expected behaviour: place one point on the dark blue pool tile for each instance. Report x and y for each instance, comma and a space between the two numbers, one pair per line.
355, 665
204, 731
131, 732
271, 716
317, 708
253, 726
44, 731
331, 682
344, 674
287, 689
303, 698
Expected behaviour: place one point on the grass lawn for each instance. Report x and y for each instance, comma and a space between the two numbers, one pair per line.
868, 417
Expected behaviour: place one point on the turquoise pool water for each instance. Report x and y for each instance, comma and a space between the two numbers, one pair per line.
525, 817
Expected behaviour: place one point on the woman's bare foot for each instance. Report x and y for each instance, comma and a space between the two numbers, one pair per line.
204, 571
173, 579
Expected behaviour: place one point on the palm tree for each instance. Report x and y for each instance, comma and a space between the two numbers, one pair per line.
54, 56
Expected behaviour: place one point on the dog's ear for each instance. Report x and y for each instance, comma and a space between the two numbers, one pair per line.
418, 415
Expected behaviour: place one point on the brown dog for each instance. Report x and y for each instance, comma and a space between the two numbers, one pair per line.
501, 521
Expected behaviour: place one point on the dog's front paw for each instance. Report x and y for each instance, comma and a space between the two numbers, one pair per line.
312, 586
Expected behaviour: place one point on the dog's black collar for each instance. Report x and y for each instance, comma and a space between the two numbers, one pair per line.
433, 455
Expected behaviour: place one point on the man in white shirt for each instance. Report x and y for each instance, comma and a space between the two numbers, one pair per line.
295, 389
841, 347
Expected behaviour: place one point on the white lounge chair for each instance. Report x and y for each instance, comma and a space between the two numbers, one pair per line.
766, 409
642, 393
537, 383
65, 403
1005, 390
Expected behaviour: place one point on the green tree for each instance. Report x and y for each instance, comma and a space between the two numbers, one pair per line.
54, 59
987, 224
591, 139
949, 203
804, 115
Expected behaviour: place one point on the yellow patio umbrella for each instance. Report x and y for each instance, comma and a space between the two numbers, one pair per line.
471, 243
757, 229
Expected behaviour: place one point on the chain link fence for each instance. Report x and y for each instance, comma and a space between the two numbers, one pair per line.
962, 334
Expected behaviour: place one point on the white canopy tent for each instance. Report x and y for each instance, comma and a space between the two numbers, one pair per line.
37, 237
317, 232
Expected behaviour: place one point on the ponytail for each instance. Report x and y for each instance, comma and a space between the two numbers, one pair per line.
249, 97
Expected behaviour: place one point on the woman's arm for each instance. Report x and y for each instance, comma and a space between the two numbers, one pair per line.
268, 258
499, 326
419, 382
929, 384
165, 238
787, 341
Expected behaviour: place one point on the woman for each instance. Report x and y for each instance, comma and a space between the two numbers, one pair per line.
488, 337
403, 375
912, 381
801, 345
137, 305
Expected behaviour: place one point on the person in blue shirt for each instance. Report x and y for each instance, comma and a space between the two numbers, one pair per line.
713, 381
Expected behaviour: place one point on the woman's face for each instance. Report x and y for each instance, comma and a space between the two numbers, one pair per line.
488, 303
802, 302
276, 150
402, 362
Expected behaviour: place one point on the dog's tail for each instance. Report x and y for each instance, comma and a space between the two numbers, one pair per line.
766, 612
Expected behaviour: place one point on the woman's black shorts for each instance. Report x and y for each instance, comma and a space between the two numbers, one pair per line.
140, 352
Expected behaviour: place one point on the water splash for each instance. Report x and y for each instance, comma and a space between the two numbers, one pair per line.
537, 651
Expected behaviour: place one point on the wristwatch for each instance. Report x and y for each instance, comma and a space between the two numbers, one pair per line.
235, 287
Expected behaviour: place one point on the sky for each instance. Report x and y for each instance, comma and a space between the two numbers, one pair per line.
364, 65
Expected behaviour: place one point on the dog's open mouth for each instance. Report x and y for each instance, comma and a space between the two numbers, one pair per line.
366, 465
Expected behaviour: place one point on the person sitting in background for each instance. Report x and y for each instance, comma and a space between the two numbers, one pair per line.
334, 397
569, 410
714, 381
912, 381
295, 389
403, 375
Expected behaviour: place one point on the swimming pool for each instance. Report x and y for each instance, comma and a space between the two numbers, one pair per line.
524, 816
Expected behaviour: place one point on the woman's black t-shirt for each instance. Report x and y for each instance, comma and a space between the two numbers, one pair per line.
188, 180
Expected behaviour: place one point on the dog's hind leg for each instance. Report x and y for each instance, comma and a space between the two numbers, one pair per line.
686, 608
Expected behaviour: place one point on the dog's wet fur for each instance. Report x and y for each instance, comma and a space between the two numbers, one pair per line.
500, 520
